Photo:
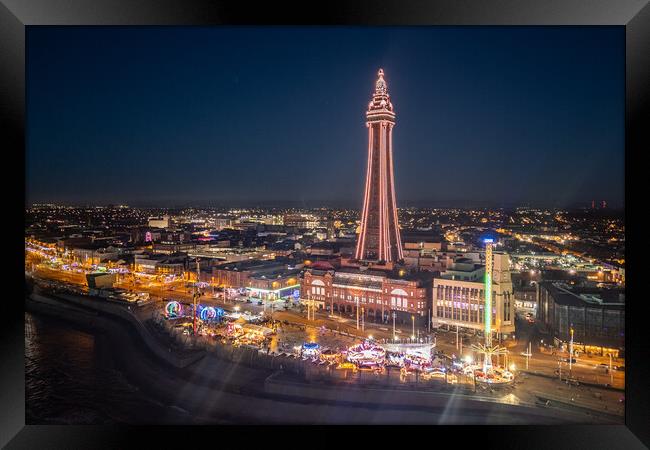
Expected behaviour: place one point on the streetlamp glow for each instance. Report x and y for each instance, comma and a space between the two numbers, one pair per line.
413, 322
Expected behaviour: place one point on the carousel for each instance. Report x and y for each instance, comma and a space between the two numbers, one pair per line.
366, 354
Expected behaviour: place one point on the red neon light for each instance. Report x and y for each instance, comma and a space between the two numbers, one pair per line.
364, 214
380, 206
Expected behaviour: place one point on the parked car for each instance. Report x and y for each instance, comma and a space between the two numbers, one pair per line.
604, 367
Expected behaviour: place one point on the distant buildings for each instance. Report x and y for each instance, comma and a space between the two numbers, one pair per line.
90, 254
307, 221
161, 264
168, 248
223, 222
159, 222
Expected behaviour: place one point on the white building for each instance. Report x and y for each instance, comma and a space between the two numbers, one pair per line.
458, 296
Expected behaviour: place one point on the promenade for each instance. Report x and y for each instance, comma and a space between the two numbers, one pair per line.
229, 383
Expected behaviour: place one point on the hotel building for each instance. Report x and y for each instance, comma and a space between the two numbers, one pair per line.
459, 296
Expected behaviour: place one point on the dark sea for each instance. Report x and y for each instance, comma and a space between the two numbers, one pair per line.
71, 378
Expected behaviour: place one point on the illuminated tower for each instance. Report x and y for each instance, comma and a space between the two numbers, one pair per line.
379, 238
487, 308
486, 349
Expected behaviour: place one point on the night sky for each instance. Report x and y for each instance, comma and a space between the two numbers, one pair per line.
224, 116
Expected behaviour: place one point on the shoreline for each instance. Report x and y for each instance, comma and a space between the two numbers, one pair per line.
214, 390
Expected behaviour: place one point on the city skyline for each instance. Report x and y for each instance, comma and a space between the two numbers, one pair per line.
166, 145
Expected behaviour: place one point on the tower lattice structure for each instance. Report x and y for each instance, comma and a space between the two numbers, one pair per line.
379, 237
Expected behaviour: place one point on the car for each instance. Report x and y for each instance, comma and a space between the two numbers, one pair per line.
619, 368
566, 360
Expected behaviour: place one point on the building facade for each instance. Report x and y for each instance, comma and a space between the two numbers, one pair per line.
596, 315
308, 221
379, 235
154, 264
263, 279
459, 296
377, 294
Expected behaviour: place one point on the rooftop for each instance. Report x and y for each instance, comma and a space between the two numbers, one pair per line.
565, 294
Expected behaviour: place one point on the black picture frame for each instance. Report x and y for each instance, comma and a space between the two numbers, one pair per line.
634, 15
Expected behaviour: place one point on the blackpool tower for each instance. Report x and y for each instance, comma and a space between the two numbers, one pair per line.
379, 237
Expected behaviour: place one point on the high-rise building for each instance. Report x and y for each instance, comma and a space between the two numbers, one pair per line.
379, 236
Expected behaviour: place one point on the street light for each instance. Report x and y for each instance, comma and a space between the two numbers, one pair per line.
413, 322
356, 299
308, 304
570, 351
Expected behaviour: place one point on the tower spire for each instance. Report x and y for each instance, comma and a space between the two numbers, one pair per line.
380, 86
